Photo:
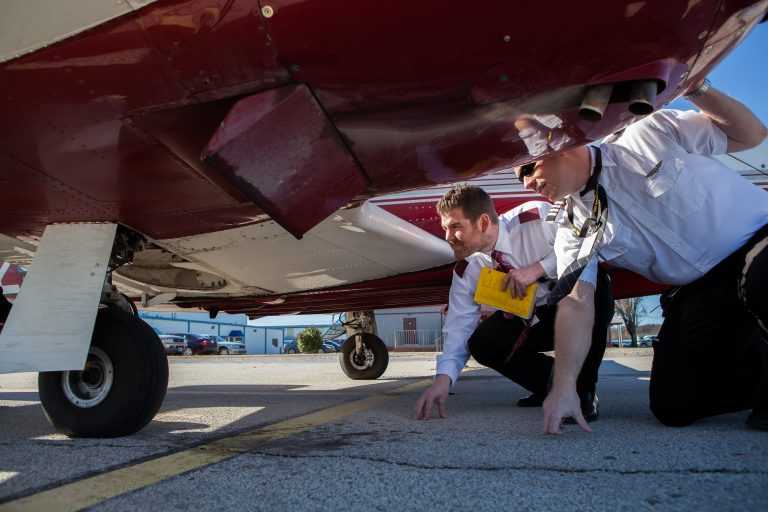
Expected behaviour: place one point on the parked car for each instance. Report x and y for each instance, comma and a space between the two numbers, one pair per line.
196, 344
647, 341
227, 347
330, 346
173, 343
290, 347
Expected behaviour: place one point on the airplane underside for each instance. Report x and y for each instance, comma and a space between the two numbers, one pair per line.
231, 155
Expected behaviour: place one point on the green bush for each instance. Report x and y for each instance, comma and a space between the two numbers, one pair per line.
310, 340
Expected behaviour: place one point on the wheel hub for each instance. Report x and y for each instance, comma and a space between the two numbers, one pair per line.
362, 360
89, 387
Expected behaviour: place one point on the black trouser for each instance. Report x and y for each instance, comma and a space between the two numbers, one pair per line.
491, 344
711, 351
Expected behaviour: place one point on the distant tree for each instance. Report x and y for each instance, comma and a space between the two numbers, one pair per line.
310, 340
630, 311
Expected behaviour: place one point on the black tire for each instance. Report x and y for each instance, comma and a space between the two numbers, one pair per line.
364, 368
139, 381
133, 307
224, 351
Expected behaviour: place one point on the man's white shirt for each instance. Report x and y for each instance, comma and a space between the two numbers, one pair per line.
674, 211
524, 238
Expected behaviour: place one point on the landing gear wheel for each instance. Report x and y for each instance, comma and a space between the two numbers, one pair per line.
121, 387
370, 363
131, 305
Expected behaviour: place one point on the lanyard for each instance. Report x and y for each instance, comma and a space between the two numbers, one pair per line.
595, 224
599, 204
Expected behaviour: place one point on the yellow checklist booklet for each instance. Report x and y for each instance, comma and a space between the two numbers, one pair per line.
489, 291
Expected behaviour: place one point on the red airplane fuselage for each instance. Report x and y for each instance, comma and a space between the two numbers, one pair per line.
188, 117
345, 100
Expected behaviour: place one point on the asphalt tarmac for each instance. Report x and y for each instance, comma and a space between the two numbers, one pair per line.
292, 432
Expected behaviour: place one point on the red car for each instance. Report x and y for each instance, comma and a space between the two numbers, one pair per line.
197, 344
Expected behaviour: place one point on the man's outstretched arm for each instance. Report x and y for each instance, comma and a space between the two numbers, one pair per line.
461, 320
743, 129
573, 333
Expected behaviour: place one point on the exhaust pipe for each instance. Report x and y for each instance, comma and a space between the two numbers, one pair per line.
595, 101
642, 96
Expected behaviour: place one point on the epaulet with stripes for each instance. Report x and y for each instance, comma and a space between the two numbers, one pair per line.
460, 267
528, 216
555, 211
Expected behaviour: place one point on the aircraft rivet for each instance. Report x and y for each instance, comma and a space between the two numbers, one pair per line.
507, 39
267, 11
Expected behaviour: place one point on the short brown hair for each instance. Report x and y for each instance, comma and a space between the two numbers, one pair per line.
472, 200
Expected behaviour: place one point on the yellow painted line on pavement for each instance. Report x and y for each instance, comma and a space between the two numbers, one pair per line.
93, 490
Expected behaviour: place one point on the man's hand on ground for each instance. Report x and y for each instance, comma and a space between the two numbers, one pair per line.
436, 394
561, 404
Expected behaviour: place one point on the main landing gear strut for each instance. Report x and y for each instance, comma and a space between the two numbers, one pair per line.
108, 384
125, 377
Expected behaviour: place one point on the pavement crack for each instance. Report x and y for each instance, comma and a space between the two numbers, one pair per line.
548, 469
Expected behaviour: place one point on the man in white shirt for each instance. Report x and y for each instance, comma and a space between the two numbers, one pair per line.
520, 244
676, 216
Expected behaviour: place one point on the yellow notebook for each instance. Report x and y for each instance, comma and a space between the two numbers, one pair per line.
489, 292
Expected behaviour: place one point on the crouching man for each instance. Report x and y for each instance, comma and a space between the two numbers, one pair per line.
519, 243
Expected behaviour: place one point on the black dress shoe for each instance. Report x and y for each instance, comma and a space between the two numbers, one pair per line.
533, 400
590, 408
758, 420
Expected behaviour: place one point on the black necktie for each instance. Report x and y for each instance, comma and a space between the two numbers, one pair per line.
594, 225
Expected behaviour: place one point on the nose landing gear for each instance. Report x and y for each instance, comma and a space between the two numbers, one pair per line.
363, 356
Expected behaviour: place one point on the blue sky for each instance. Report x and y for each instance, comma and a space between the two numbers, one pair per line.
743, 74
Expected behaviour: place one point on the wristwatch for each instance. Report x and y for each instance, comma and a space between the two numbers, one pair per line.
705, 86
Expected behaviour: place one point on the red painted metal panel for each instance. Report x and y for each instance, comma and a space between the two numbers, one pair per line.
628, 284
425, 288
13, 276
416, 288
420, 92
429, 94
425, 216
279, 149
68, 151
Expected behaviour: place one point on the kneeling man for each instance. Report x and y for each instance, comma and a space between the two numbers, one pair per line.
520, 243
